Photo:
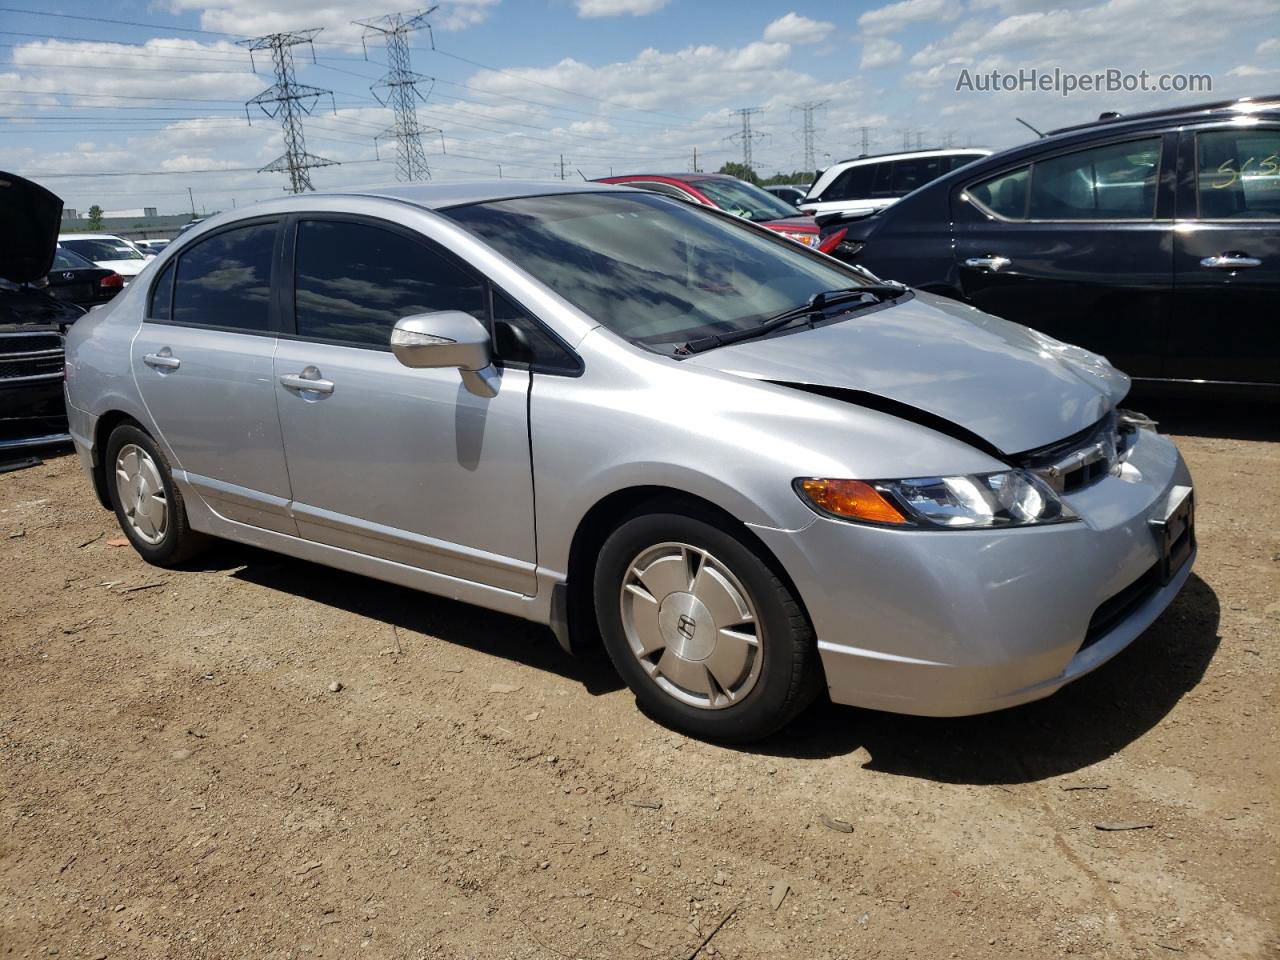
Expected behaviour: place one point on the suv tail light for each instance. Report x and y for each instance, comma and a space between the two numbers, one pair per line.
832, 240
112, 281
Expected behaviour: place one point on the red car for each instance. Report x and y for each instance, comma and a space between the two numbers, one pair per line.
731, 195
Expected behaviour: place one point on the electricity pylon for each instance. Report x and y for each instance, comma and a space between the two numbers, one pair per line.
807, 131
398, 89
746, 135
292, 100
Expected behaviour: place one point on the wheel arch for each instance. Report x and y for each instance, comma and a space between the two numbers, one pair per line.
573, 610
102, 431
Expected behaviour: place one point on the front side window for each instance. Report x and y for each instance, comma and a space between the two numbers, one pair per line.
353, 281
100, 250
652, 271
1239, 174
1115, 182
225, 280
744, 199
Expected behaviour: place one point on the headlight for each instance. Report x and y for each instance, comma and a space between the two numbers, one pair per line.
1011, 498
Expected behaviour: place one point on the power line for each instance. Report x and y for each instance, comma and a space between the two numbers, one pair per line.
400, 86
125, 23
292, 100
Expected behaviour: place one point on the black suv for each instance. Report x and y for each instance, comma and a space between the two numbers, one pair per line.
1153, 239
33, 412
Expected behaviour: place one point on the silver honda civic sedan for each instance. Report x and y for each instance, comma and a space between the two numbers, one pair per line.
751, 471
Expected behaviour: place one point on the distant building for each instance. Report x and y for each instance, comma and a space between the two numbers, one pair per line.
144, 223
136, 212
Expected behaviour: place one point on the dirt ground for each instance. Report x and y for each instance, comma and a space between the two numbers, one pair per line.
177, 780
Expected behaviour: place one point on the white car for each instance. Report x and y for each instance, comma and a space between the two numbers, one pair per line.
106, 250
150, 247
867, 184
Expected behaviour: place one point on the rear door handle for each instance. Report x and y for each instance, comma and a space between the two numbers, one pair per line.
308, 381
163, 360
993, 263
1230, 261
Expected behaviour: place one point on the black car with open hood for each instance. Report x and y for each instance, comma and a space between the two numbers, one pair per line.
32, 320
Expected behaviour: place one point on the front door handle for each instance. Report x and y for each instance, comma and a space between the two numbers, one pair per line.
162, 360
308, 381
992, 263
1230, 261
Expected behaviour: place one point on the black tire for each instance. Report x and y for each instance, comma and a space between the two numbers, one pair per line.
789, 677
179, 542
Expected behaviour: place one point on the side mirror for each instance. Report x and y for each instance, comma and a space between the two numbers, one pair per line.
449, 338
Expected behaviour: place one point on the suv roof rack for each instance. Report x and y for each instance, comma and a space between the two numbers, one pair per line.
898, 153
1240, 104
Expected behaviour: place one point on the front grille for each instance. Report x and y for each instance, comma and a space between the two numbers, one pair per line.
1084, 458
24, 355
1115, 609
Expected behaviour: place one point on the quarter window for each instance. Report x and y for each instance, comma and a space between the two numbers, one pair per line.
353, 281
518, 338
225, 281
161, 307
1115, 182
1005, 195
1239, 174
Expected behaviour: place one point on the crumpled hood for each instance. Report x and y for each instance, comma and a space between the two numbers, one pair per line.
29, 219
1014, 387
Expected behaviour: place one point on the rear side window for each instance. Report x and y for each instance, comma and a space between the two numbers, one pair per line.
1239, 174
1005, 195
161, 306
853, 184
353, 281
225, 280
1115, 182
916, 172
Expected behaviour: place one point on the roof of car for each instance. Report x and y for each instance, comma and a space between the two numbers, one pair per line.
686, 177
1196, 111
87, 236
907, 154
438, 196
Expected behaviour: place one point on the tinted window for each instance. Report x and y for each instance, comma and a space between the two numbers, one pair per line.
353, 281
1115, 182
853, 184
225, 281
882, 180
66, 260
653, 271
958, 160
161, 307
518, 338
98, 250
1239, 174
909, 174
744, 199
1005, 195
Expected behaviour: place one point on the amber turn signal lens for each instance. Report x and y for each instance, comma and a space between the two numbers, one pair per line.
853, 499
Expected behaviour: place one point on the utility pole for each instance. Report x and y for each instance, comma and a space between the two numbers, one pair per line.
747, 136
289, 101
919, 139
562, 166
694, 168
807, 131
398, 89
192, 198
866, 140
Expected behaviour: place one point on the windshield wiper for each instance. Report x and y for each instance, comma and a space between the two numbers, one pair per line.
812, 309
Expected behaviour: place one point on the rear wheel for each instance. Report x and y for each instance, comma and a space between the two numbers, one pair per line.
705, 633
147, 503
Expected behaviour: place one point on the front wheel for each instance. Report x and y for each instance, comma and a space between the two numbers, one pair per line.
703, 631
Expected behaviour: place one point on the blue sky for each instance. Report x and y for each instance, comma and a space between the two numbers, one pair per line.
132, 114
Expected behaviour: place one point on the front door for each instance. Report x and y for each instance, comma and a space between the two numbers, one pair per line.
398, 463
203, 364
1078, 245
1227, 257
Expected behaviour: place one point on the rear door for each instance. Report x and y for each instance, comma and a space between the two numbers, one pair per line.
1227, 256
202, 361
1079, 245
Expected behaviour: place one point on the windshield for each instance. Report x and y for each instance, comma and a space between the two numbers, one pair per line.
99, 250
650, 269
745, 200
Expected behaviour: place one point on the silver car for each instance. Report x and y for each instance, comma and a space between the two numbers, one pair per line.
751, 470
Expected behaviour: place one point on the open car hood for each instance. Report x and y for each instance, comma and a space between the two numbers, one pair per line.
1005, 386
29, 219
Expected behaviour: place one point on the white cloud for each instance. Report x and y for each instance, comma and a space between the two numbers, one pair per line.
618, 8
794, 28
254, 18
1267, 47
879, 52
896, 16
